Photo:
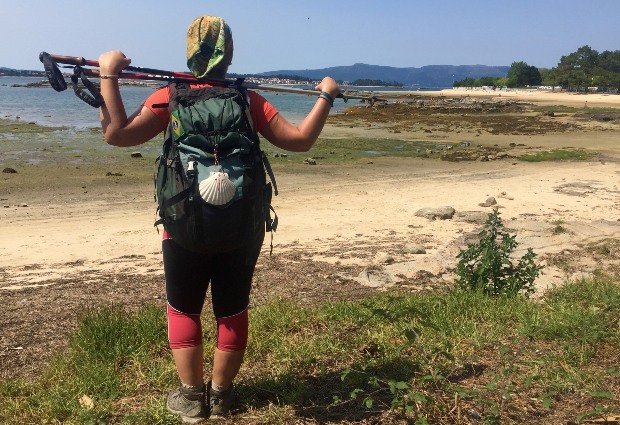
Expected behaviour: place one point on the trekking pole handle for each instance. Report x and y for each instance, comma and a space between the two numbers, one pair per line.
73, 60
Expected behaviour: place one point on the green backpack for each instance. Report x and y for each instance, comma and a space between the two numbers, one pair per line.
210, 183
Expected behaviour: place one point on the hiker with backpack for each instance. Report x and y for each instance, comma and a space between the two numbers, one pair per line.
213, 200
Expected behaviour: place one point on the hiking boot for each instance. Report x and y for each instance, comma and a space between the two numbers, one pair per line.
220, 402
189, 403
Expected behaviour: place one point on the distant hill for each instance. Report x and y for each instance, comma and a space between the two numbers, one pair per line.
20, 72
426, 76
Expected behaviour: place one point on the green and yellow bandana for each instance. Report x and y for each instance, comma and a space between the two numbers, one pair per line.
209, 47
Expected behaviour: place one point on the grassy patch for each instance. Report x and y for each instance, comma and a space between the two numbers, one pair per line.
424, 358
558, 227
113, 357
564, 261
347, 149
16, 126
563, 109
558, 155
558, 109
606, 248
71, 159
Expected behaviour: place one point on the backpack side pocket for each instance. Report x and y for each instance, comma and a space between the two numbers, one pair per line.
171, 187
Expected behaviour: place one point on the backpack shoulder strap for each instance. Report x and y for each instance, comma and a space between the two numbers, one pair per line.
248, 109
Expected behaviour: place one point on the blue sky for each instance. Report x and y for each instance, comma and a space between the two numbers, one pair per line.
273, 35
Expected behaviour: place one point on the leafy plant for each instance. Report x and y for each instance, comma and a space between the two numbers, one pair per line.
488, 267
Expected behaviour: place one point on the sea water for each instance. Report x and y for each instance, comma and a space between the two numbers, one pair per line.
45, 106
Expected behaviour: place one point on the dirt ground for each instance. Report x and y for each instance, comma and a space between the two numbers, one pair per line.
346, 230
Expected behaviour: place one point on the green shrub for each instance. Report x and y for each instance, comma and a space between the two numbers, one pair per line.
487, 266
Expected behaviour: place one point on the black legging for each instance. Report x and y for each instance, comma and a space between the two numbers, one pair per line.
188, 275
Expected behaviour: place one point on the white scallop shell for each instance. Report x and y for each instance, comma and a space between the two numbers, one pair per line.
218, 189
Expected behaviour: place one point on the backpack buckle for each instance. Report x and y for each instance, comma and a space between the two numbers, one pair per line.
192, 171
192, 168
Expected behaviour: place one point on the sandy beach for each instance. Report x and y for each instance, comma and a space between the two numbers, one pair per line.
67, 244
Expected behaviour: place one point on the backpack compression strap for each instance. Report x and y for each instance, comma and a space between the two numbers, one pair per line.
248, 116
270, 172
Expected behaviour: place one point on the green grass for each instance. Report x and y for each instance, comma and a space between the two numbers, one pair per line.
347, 149
560, 109
49, 146
83, 158
394, 354
558, 155
17, 126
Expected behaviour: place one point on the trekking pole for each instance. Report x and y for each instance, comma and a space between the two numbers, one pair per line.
80, 61
58, 83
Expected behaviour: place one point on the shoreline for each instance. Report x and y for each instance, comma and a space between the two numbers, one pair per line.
541, 97
100, 178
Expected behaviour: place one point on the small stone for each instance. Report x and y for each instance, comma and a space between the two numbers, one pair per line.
441, 213
413, 248
489, 202
136, 155
384, 258
86, 402
375, 278
478, 217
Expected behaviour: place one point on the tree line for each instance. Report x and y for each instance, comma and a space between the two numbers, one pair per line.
583, 70
10, 72
380, 83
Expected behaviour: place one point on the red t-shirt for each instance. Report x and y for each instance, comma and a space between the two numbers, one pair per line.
261, 110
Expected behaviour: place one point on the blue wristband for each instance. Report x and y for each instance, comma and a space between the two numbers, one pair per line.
327, 97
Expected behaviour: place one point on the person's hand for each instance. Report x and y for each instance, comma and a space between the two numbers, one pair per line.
113, 62
330, 86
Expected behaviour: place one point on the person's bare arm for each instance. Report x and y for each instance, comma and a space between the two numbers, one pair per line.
286, 136
118, 129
